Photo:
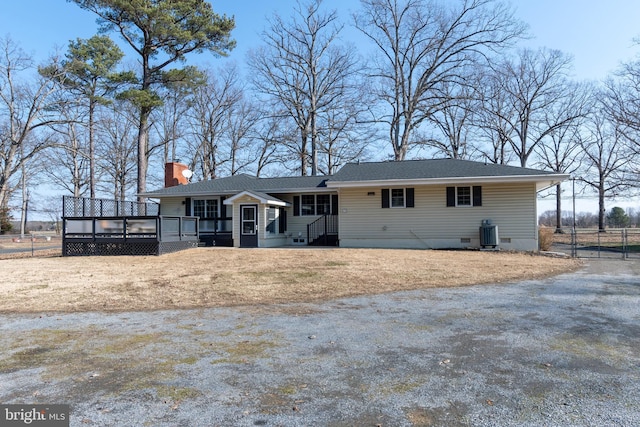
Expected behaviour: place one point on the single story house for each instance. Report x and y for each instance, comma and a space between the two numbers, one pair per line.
444, 203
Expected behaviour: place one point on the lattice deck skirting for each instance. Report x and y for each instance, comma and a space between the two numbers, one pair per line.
71, 248
168, 247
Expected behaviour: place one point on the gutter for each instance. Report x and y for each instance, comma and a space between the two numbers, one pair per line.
545, 181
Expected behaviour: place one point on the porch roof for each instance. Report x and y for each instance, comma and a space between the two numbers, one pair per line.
261, 197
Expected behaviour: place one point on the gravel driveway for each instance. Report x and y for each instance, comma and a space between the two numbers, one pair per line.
561, 351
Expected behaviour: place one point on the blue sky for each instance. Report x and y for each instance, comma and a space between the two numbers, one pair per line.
598, 34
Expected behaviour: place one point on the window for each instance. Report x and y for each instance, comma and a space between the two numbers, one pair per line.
272, 224
464, 196
205, 208
308, 204
323, 204
398, 198
315, 204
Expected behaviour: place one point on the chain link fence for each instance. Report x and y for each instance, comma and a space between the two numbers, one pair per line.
612, 243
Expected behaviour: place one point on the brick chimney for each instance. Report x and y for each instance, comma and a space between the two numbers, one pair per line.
173, 174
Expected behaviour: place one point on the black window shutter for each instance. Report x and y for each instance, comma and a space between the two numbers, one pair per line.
451, 196
187, 206
334, 204
477, 195
223, 207
385, 198
282, 226
410, 202
296, 205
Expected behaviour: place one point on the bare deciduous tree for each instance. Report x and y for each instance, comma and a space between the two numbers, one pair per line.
493, 131
171, 121
453, 122
268, 136
561, 153
116, 155
536, 85
622, 101
422, 46
560, 150
241, 119
70, 153
606, 160
25, 110
208, 116
304, 71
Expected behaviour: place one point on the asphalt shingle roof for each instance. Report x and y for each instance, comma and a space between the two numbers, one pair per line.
425, 169
351, 172
242, 182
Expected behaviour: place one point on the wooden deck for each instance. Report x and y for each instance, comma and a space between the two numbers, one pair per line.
105, 227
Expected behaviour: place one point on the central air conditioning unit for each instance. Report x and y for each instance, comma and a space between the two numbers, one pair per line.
488, 234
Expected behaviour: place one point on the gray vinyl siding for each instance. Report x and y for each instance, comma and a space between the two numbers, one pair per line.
363, 222
296, 225
172, 206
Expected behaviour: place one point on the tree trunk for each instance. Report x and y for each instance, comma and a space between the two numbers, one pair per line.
92, 152
601, 209
558, 210
143, 159
304, 160
25, 205
314, 146
4, 197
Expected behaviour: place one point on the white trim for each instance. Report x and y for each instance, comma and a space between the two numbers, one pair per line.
458, 205
542, 181
315, 204
261, 197
227, 192
195, 199
404, 198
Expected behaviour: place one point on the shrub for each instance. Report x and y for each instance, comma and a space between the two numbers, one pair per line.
545, 238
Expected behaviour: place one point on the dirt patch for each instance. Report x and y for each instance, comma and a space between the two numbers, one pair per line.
206, 277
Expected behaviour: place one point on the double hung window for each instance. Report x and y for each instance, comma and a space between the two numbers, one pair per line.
464, 196
206, 210
398, 197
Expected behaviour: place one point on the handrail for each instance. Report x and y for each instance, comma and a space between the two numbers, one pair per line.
122, 228
321, 227
84, 207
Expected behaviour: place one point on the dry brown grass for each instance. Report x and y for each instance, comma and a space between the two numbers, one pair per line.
207, 277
